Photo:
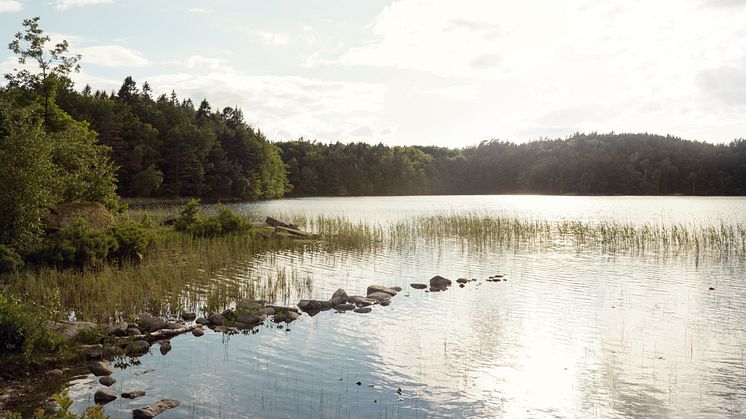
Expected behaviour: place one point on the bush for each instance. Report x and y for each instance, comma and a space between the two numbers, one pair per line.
23, 328
81, 246
10, 260
188, 216
131, 239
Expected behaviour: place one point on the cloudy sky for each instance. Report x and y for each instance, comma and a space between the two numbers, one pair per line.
422, 71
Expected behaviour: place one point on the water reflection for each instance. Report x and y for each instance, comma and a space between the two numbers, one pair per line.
574, 332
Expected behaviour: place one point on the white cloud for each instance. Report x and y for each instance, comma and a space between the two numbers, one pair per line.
112, 56
285, 107
7, 6
64, 4
273, 38
199, 61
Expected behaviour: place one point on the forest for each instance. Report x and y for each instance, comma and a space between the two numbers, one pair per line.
583, 164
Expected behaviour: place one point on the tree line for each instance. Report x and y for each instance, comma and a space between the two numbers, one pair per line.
584, 164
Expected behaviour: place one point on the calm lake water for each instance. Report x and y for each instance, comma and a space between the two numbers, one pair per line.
576, 331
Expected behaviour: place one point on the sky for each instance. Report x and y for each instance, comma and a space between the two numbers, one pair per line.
403, 72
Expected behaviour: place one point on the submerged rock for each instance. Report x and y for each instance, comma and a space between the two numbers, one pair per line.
100, 368
314, 305
462, 280
379, 296
361, 301
385, 302
380, 288
107, 380
436, 289
363, 310
165, 347
154, 409
418, 286
133, 394
104, 395
344, 307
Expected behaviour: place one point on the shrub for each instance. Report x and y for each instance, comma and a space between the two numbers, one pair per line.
188, 216
131, 238
23, 328
225, 222
76, 245
64, 402
10, 260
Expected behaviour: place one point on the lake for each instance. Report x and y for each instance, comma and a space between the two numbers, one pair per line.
577, 329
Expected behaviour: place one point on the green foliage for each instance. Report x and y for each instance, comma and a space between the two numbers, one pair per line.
23, 329
28, 179
10, 260
64, 402
80, 245
223, 223
188, 216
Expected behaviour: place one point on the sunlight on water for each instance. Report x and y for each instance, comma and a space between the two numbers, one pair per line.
575, 331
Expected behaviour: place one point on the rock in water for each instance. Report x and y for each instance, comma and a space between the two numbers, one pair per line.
198, 332
379, 296
363, 310
216, 319
247, 318
100, 368
344, 307
418, 286
149, 323
462, 280
247, 304
165, 347
381, 288
439, 282
107, 380
154, 409
104, 395
118, 329
189, 316
314, 305
133, 394
339, 297
138, 348
361, 301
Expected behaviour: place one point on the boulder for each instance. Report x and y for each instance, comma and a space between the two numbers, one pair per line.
202, 320
436, 289
418, 286
379, 296
248, 318
397, 288
339, 297
440, 282
314, 305
247, 304
154, 409
107, 380
361, 301
133, 394
70, 330
216, 319
385, 302
462, 280
344, 307
188, 316
117, 329
228, 314
165, 347
363, 310
150, 323
380, 288
64, 215
100, 368
134, 331
268, 310
198, 332
137, 348
104, 395
92, 351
